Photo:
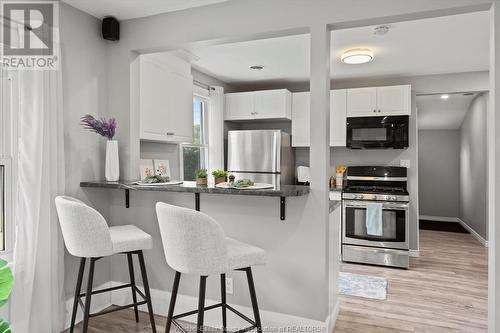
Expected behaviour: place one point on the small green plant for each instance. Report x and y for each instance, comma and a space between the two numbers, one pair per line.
201, 173
6, 282
220, 173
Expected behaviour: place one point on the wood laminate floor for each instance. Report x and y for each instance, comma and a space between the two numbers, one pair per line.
445, 290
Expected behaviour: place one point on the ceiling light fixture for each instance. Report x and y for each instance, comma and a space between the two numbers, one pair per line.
357, 56
445, 96
256, 67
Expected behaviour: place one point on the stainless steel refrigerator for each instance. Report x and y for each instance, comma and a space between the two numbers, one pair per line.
264, 156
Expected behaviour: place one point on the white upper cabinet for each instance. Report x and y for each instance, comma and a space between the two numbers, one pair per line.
394, 100
361, 102
338, 113
301, 106
379, 101
239, 106
166, 99
266, 104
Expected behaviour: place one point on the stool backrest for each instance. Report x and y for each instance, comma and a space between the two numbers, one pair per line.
193, 242
85, 231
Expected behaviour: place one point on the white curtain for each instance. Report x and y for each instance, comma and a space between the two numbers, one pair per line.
216, 129
36, 304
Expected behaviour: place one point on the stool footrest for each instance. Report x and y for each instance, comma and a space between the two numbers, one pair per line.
117, 308
218, 305
100, 291
190, 313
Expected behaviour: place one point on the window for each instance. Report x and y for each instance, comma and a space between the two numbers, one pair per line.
195, 155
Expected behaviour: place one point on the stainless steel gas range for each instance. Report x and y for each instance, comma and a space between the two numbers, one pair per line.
375, 216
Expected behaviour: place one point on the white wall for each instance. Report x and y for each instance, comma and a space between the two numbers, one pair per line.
84, 91
438, 172
473, 167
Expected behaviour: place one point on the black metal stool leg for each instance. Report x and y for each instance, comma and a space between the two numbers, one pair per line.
132, 282
78, 289
223, 301
88, 295
173, 298
253, 297
201, 304
146, 290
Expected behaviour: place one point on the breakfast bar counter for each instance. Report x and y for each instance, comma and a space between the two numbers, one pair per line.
281, 191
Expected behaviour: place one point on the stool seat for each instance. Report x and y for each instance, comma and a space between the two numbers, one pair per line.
128, 238
242, 255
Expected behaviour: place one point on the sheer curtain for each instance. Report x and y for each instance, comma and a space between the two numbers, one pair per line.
216, 129
36, 304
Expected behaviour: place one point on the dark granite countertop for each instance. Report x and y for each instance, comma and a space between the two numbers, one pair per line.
334, 204
191, 187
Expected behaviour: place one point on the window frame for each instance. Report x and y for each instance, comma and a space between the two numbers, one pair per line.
8, 156
204, 95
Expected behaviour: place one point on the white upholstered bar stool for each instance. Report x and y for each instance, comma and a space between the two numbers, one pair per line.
194, 243
87, 235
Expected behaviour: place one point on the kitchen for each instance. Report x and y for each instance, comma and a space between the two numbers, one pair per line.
230, 103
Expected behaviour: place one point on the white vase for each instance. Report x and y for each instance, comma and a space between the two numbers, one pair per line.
112, 168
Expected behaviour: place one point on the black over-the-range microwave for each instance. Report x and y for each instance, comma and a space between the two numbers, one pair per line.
377, 132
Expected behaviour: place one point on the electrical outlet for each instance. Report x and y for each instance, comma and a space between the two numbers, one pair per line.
405, 163
229, 285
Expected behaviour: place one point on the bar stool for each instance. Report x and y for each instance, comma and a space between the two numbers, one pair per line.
87, 235
194, 243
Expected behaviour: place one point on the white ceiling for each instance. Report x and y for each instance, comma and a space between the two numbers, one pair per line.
129, 9
451, 44
436, 113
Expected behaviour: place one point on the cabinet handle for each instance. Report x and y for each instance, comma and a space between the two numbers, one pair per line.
374, 110
379, 111
170, 133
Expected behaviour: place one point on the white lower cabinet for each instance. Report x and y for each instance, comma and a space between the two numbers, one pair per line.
301, 106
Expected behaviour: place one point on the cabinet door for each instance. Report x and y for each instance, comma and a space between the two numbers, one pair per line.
154, 115
166, 103
362, 102
179, 90
273, 104
393, 100
301, 106
240, 106
338, 111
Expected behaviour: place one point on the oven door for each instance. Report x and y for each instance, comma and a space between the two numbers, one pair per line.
395, 225
377, 132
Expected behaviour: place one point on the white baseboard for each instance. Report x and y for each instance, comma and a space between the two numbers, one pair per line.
270, 320
456, 220
473, 233
99, 302
438, 218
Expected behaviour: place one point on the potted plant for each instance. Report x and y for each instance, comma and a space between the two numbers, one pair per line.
219, 176
201, 176
106, 128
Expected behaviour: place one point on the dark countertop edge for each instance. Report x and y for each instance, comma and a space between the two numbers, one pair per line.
285, 191
334, 204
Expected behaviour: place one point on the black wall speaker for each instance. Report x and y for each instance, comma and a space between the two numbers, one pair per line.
110, 28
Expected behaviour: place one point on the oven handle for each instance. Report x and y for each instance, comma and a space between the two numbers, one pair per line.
358, 204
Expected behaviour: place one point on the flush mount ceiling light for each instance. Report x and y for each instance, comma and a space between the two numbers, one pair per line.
256, 67
445, 96
357, 56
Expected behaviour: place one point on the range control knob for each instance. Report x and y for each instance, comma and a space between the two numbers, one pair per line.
359, 196
393, 198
